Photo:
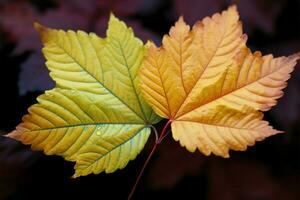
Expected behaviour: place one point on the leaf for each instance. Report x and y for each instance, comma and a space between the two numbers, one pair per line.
95, 115
32, 68
211, 86
15, 20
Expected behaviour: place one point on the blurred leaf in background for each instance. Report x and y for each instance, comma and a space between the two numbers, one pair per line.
17, 19
14, 162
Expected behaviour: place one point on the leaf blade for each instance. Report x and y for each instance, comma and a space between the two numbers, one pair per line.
215, 77
95, 115
51, 128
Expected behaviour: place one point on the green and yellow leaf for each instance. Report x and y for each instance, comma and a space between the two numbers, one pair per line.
211, 86
95, 115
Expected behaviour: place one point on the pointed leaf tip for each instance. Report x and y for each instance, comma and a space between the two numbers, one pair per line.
40, 28
296, 56
181, 19
112, 15
232, 7
113, 18
115, 23
180, 22
150, 44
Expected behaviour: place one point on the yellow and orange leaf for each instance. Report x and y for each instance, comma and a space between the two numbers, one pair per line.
210, 85
189, 60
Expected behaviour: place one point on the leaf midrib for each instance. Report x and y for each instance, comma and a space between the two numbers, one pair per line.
85, 124
131, 81
208, 63
218, 125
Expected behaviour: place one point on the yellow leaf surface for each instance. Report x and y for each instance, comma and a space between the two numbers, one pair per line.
221, 129
189, 60
205, 80
96, 115
252, 80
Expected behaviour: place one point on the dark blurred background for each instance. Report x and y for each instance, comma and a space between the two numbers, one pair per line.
268, 171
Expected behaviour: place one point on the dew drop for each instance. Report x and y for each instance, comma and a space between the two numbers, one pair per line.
98, 131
